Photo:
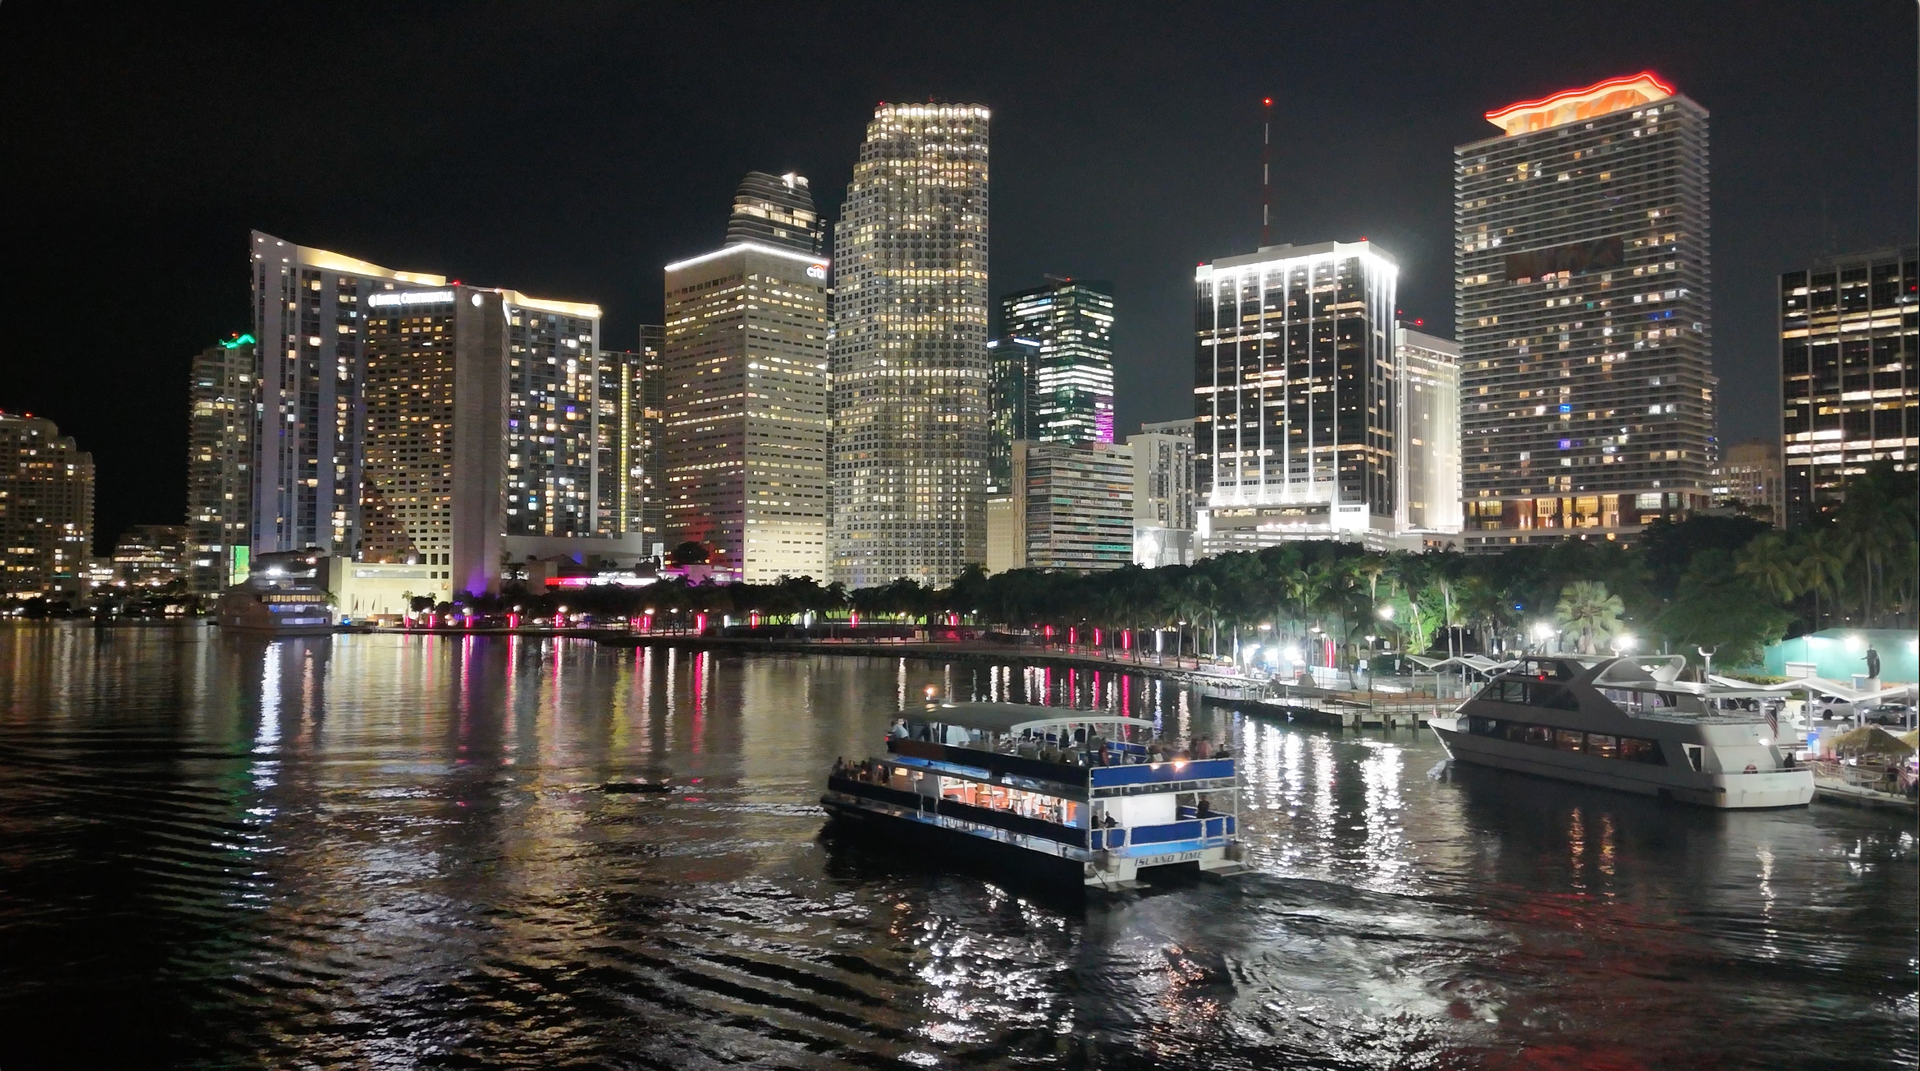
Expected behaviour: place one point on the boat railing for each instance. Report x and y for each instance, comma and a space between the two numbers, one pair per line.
1187, 835
1159, 774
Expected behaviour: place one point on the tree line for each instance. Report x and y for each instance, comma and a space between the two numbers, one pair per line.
1732, 583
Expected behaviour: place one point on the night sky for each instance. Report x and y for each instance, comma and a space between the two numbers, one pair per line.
570, 150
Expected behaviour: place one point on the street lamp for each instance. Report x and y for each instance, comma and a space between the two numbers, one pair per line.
1621, 644
1542, 632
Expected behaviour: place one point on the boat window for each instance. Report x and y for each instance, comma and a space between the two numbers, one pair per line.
1635, 749
1539, 734
1479, 726
1517, 730
1551, 696
1693, 755
1604, 746
1569, 739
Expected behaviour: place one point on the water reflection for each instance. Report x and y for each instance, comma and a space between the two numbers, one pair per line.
375, 850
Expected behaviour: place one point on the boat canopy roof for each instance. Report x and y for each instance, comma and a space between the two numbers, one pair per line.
1014, 717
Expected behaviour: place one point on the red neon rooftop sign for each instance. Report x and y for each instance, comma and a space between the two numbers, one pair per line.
1571, 104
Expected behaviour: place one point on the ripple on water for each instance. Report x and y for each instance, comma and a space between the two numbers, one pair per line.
385, 851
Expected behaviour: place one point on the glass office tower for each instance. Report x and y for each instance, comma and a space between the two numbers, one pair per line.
1295, 393
221, 417
1071, 384
910, 368
1849, 337
1582, 289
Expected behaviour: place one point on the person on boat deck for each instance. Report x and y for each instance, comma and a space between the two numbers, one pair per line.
1203, 809
1108, 822
1202, 747
899, 729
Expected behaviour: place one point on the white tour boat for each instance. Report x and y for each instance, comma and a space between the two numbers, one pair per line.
1628, 724
1081, 796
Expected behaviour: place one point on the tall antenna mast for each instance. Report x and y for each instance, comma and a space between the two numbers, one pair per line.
1266, 172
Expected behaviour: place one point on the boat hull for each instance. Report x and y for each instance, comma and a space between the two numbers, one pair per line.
930, 843
1779, 788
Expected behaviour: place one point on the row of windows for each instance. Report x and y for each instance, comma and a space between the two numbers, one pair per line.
1602, 745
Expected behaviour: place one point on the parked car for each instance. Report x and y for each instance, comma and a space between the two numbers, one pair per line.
1896, 714
1832, 706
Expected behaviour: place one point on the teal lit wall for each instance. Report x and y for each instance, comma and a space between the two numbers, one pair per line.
1839, 653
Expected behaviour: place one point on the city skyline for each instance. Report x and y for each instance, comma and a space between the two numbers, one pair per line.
1787, 139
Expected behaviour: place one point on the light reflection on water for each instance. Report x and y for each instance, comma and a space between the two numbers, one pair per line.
376, 850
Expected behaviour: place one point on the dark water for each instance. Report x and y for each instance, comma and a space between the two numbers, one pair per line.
376, 851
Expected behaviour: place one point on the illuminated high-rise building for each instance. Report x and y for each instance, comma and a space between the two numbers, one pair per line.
910, 367
561, 415
1582, 289
746, 425
46, 509
1849, 341
434, 448
1429, 413
1071, 509
1164, 503
775, 210
222, 415
1010, 398
652, 444
632, 397
1070, 389
308, 323
1296, 395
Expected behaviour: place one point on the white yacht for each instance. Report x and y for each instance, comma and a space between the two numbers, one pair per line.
1628, 724
1078, 795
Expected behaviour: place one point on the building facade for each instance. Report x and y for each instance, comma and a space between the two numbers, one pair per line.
46, 509
1296, 389
746, 425
1071, 383
775, 210
222, 415
153, 556
1164, 502
910, 368
435, 440
1429, 432
652, 443
1582, 288
555, 413
309, 327
1072, 509
1011, 364
1849, 338
1748, 480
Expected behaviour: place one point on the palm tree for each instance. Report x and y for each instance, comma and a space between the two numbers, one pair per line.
1586, 605
1823, 563
1771, 564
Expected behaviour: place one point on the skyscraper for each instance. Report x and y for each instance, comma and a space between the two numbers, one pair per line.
1164, 502
46, 508
631, 399
1849, 339
910, 368
1011, 364
312, 316
555, 409
1072, 509
1429, 431
308, 306
746, 405
775, 210
222, 415
1071, 384
1296, 389
434, 448
1581, 285
652, 444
